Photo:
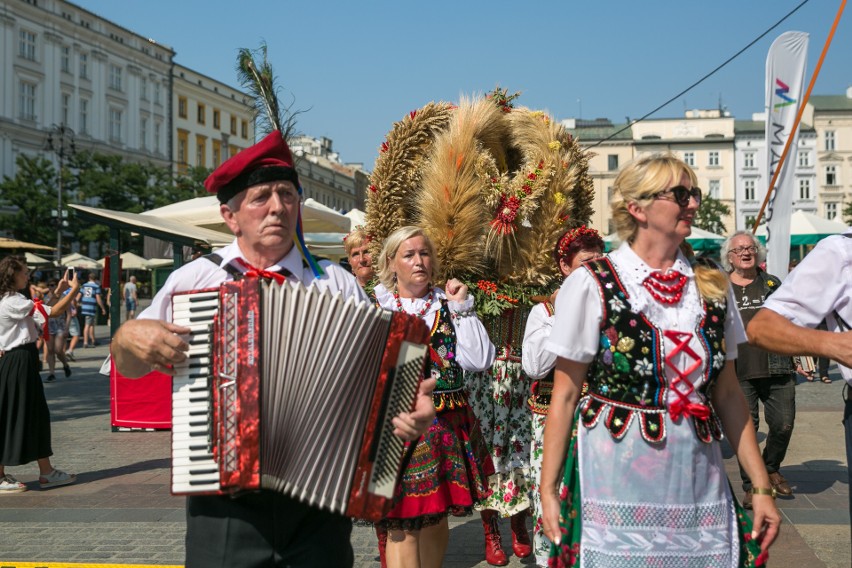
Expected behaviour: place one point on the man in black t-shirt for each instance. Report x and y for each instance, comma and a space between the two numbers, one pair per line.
763, 376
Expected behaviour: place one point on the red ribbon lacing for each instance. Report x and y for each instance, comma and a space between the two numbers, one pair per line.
39, 305
683, 406
252, 271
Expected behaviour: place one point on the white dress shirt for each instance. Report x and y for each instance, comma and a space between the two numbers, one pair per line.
536, 360
201, 273
820, 285
19, 325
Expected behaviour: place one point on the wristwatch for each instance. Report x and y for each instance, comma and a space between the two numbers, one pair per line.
764, 491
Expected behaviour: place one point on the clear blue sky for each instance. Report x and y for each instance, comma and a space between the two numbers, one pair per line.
355, 67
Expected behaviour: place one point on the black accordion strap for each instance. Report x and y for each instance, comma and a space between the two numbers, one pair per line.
230, 269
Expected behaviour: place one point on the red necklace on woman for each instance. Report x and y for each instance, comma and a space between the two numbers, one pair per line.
666, 288
420, 313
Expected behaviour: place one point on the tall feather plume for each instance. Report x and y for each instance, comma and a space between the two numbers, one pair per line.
259, 81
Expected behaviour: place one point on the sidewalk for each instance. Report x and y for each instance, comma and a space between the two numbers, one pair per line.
120, 510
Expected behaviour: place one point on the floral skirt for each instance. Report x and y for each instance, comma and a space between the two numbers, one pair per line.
447, 473
635, 520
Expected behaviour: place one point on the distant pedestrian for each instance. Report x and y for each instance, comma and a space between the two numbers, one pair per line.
73, 326
90, 300
24, 416
55, 343
131, 298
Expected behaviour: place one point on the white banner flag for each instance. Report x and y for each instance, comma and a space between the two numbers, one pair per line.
785, 78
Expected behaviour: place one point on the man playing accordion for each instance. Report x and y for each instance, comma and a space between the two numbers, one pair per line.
260, 201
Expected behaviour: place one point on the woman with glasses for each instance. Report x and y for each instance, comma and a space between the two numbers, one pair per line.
763, 376
639, 454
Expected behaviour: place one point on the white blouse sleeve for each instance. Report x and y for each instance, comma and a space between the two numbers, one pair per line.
734, 330
535, 359
474, 350
576, 329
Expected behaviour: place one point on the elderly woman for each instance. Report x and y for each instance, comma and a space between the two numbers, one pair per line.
23, 407
357, 246
447, 473
763, 376
573, 248
655, 340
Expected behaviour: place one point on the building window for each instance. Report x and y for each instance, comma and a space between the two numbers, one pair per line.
804, 159
202, 114
233, 126
689, 159
804, 189
216, 118
749, 190
156, 93
65, 59
182, 107
143, 133
612, 162
748, 160
27, 45
115, 124
83, 126
749, 221
182, 144
157, 129
713, 159
713, 188
84, 66
115, 77
830, 211
27, 100
66, 108
829, 139
244, 129
143, 87
217, 153
201, 151
830, 175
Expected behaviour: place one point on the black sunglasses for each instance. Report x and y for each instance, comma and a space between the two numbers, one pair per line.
681, 195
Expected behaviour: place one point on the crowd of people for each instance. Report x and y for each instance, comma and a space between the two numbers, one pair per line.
603, 421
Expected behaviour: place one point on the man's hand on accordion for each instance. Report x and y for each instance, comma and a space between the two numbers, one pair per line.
411, 425
142, 346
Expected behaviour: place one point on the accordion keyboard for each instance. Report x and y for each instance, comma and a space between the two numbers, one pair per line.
194, 469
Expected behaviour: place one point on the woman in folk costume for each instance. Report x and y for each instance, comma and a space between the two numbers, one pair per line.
644, 480
447, 472
573, 248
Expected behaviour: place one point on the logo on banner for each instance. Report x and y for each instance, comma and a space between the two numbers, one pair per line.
781, 93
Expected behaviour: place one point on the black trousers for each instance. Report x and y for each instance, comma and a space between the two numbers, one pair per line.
778, 395
264, 530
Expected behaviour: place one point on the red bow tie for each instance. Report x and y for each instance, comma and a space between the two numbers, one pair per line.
278, 277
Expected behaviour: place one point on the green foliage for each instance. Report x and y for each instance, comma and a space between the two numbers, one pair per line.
491, 299
32, 194
710, 214
847, 214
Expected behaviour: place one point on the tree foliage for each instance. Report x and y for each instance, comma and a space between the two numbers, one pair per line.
97, 180
710, 214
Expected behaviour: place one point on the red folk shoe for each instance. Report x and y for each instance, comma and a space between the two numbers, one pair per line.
494, 554
521, 544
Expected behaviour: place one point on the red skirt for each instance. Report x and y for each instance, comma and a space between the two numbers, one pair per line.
448, 472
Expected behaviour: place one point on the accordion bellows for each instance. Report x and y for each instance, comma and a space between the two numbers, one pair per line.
295, 390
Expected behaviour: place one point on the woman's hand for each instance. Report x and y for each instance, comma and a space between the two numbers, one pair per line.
767, 521
550, 508
456, 290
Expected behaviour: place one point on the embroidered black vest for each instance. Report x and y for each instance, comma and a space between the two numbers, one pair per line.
627, 378
449, 392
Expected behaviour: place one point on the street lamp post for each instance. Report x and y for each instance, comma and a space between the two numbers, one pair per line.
60, 140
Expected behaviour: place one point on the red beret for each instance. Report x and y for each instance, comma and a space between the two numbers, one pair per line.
268, 160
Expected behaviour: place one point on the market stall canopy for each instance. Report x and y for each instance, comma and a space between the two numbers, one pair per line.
14, 244
165, 229
77, 260
356, 217
204, 212
130, 261
807, 229
35, 261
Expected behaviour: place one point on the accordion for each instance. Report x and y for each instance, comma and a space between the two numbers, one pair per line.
293, 389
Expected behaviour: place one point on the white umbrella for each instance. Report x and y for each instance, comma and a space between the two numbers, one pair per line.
808, 229
357, 217
34, 260
77, 260
130, 261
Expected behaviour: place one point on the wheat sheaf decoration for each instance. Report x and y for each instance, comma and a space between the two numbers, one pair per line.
493, 185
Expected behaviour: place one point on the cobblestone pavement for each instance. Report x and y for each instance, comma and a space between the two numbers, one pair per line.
120, 510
